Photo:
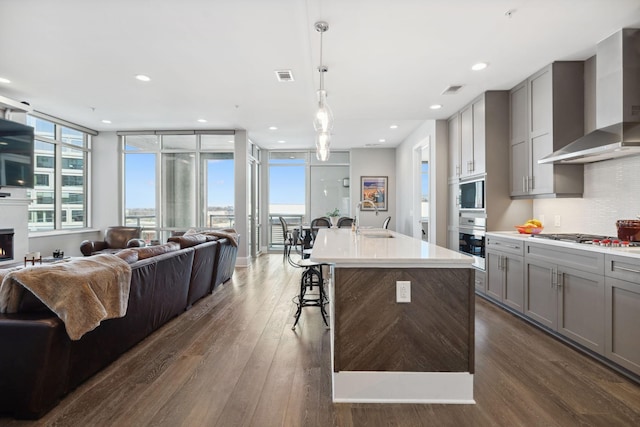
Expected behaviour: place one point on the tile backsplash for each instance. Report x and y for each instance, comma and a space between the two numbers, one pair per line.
611, 192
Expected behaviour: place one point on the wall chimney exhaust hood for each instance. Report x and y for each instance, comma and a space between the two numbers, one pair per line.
617, 104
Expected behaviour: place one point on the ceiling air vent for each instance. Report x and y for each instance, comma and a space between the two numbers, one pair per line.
284, 75
452, 90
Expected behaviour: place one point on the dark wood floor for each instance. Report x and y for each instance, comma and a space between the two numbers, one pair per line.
233, 360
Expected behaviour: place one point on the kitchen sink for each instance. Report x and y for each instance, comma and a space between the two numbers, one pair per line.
376, 234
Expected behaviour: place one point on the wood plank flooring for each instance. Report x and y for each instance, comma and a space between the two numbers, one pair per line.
233, 360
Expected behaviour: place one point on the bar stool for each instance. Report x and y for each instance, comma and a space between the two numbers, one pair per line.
311, 278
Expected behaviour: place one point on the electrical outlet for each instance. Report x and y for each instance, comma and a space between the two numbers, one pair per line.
557, 221
403, 291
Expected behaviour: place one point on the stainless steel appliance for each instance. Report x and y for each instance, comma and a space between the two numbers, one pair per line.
471, 195
472, 230
617, 103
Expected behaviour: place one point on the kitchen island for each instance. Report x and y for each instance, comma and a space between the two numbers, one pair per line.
421, 351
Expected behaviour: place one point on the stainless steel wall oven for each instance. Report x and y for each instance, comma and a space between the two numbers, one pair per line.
472, 238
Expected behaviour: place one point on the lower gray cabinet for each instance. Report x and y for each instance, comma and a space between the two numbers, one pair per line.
622, 312
504, 271
566, 299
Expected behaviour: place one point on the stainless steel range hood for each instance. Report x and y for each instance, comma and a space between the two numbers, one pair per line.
617, 104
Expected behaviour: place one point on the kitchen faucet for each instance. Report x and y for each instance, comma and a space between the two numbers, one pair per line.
358, 209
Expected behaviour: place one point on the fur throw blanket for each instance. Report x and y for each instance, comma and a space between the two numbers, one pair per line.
82, 291
232, 236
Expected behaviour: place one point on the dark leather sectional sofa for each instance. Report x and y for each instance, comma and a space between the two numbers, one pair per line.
39, 364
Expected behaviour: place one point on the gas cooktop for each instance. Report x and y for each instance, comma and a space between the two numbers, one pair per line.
591, 239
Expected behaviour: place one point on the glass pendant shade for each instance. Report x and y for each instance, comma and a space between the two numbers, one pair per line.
322, 154
323, 119
323, 141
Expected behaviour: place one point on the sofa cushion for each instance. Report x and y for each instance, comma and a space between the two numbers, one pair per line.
128, 255
188, 240
151, 251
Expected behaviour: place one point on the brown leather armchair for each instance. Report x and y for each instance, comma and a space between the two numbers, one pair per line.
115, 239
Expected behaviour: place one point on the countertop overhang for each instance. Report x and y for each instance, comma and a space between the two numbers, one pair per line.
380, 248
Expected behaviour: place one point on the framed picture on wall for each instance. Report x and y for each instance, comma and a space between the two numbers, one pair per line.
374, 189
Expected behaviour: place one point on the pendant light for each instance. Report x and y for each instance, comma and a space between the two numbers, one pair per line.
323, 118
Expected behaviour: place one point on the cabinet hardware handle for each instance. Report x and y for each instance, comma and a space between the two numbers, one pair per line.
524, 184
530, 183
551, 278
473, 167
560, 280
631, 270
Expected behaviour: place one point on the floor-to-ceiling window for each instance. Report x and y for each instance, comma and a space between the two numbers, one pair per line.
302, 188
61, 176
287, 192
177, 181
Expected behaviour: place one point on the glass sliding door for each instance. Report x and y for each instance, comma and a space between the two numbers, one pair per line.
178, 190
329, 190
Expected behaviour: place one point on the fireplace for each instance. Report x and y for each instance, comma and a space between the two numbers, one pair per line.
6, 244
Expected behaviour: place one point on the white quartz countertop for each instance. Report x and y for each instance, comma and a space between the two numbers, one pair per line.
382, 248
633, 252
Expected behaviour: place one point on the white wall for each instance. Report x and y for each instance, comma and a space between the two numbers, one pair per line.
436, 133
374, 162
611, 192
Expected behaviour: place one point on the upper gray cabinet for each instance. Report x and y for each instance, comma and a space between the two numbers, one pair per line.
469, 131
546, 113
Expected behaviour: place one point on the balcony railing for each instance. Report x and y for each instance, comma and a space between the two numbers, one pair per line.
276, 239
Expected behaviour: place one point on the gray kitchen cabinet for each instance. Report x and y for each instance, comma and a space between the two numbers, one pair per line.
546, 113
454, 147
564, 291
622, 311
505, 271
472, 139
469, 130
453, 237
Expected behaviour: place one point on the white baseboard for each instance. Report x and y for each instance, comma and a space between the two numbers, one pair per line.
403, 387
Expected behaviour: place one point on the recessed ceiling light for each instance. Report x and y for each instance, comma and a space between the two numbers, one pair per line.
393, 127
281, 141
202, 121
3, 80
273, 128
436, 107
382, 140
143, 78
108, 122
231, 141
479, 66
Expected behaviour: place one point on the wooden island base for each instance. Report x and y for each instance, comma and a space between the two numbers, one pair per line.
420, 351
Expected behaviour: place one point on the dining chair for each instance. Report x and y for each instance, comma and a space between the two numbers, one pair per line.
345, 221
386, 222
317, 223
287, 237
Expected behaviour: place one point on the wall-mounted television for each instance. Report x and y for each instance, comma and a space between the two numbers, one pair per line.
16, 154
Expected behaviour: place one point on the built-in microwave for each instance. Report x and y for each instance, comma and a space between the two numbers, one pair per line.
471, 195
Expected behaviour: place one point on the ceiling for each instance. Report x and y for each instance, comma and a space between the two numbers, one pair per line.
388, 61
